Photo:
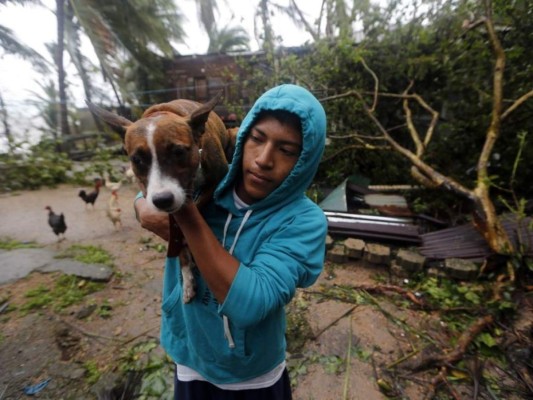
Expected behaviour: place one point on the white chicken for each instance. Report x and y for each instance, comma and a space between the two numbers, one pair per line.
111, 185
113, 210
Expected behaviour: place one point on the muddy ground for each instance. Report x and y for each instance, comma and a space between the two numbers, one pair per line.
66, 348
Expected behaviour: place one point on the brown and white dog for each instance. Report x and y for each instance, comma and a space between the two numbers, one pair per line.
178, 151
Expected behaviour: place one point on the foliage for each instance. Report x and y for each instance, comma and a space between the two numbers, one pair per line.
67, 290
444, 293
157, 370
449, 67
298, 330
32, 167
93, 373
87, 254
7, 243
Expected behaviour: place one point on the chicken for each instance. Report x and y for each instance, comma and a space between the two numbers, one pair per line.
91, 197
111, 185
57, 223
113, 210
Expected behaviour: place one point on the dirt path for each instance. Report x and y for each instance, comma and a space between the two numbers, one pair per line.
63, 348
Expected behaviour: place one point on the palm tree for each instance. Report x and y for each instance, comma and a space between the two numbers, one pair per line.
62, 106
206, 15
135, 31
9, 44
229, 39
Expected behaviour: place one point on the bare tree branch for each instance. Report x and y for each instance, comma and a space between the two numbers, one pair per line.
517, 104
376, 85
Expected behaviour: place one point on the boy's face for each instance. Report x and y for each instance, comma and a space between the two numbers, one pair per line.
270, 152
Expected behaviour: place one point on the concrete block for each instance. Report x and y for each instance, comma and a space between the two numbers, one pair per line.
336, 254
329, 242
377, 254
354, 248
461, 269
410, 260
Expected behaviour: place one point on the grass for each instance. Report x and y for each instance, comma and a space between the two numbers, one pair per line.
87, 254
7, 243
67, 290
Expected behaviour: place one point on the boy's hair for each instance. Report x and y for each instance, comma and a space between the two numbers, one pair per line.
283, 116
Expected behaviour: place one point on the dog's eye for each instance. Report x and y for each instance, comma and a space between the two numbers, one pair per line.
140, 160
178, 151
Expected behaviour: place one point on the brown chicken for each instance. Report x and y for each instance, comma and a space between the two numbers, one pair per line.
113, 210
90, 198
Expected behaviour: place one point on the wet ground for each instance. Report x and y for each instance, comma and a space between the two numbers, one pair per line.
60, 346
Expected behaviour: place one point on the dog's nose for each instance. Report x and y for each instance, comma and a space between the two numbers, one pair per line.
163, 201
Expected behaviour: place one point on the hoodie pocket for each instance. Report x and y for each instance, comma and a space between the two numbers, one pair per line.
172, 314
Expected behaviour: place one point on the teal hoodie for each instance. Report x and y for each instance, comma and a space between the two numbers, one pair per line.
280, 244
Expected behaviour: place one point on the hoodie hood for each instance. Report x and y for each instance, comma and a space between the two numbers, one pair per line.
301, 102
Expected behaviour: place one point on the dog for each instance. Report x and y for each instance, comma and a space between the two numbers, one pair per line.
178, 151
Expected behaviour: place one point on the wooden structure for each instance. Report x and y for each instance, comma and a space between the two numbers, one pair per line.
201, 77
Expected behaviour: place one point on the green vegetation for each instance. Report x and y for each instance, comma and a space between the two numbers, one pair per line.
87, 254
156, 370
41, 165
7, 243
67, 290
92, 373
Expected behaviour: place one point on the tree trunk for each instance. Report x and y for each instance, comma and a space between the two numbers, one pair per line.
7, 130
62, 107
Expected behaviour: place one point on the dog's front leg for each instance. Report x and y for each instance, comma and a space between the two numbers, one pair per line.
189, 283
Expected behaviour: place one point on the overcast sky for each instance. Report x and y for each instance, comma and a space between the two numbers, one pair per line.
36, 26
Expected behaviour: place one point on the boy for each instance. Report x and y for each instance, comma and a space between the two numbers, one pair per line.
254, 244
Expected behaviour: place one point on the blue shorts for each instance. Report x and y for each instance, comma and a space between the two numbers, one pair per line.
201, 390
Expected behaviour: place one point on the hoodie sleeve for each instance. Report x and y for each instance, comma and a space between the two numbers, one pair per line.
291, 257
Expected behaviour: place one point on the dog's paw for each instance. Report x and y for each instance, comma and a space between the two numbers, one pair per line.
189, 284
188, 293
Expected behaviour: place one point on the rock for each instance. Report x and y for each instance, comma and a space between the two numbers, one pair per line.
461, 269
336, 254
85, 311
377, 254
354, 248
410, 260
329, 242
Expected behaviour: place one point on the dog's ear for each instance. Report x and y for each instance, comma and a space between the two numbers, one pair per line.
114, 120
199, 116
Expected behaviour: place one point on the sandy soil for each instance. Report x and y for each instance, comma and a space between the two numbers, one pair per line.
58, 346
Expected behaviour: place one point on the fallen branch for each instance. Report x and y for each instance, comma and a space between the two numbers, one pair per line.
137, 336
390, 288
348, 312
374, 289
466, 338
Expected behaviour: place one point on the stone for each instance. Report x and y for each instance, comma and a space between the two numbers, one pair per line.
461, 269
410, 260
329, 242
377, 254
354, 248
336, 254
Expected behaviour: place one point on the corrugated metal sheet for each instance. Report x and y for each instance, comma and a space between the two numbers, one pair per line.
373, 227
467, 243
376, 200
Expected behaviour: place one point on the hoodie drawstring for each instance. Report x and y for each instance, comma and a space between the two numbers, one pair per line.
227, 332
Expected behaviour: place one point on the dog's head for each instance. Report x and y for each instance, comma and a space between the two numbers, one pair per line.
164, 148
